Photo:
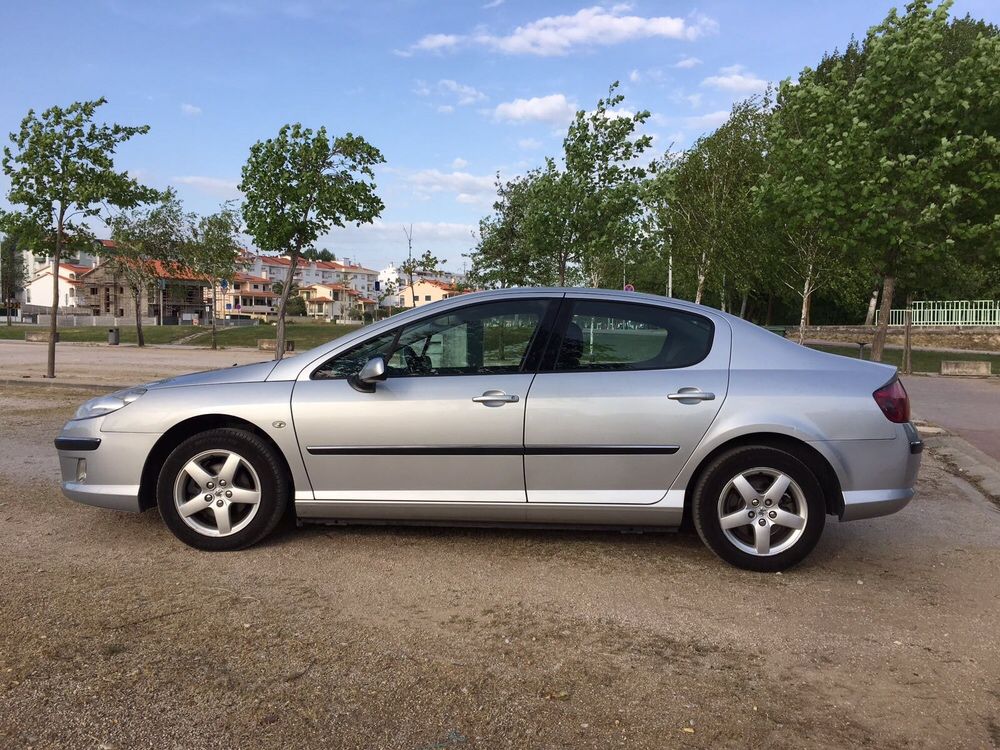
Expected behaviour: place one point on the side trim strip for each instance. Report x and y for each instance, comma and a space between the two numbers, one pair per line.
492, 450
77, 444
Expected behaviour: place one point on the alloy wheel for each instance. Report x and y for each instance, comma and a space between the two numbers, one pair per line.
217, 493
762, 511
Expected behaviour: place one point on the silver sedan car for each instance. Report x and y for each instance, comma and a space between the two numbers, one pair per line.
572, 407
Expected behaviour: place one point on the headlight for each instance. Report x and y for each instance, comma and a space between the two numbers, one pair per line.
102, 405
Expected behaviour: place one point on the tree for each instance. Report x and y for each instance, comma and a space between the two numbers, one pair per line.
919, 148
13, 270
300, 184
214, 251
710, 201
601, 189
147, 242
563, 225
61, 172
426, 263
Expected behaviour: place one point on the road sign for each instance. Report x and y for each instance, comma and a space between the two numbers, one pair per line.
229, 306
629, 288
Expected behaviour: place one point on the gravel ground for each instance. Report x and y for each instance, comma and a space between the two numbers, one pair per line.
117, 636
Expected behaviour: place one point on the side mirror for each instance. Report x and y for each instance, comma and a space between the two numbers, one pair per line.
369, 375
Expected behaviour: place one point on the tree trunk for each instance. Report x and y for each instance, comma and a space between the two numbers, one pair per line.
137, 298
54, 323
907, 347
702, 275
215, 344
806, 294
770, 309
285, 289
743, 305
872, 302
878, 344
808, 306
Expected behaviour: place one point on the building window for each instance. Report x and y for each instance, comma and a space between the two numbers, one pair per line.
427, 298
93, 290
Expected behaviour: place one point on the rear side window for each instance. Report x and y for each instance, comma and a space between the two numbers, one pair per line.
600, 335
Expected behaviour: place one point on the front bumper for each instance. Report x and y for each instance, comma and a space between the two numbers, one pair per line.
103, 469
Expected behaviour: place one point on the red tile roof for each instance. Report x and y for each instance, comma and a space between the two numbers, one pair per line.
324, 300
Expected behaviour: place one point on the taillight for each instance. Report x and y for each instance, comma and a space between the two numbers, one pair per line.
893, 401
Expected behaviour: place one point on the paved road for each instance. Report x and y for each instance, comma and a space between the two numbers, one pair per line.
969, 407
115, 365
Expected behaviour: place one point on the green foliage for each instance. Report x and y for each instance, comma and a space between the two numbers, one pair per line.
300, 184
880, 162
61, 171
571, 224
146, 240
296, 305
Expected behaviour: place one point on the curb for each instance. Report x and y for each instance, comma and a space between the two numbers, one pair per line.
964, 459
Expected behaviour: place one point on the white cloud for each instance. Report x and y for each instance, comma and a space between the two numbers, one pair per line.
736, 79
635, 76
493, 4
588, 27
463, 93
445, 109
555, 108
694, 100
687, 62
436, 42
468, 188
190, 110
459, 163
529, 144
708, 121
212, 185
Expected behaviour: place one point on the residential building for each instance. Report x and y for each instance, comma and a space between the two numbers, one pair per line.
247, 296
38, 291
336, 302
176, 295
425, 291
308, 272
393, 274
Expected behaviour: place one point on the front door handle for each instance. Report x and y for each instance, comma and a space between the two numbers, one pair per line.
691, 394
495, 398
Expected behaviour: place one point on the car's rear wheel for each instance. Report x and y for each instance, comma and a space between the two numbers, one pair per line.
759, 508
222, 489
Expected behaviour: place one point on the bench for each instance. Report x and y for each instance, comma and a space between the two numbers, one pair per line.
39, 336
271, 345
966, 367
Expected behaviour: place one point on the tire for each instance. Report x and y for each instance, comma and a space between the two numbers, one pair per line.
223, 489
747, 485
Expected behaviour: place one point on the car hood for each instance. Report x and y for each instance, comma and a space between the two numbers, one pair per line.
254, 373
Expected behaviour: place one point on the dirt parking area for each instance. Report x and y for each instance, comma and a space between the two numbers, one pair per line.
114, 635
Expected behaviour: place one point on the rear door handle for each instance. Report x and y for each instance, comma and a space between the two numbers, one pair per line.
495, 398
691, 394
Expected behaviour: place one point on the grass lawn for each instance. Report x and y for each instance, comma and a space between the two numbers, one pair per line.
305, 335
923, 361
153, 334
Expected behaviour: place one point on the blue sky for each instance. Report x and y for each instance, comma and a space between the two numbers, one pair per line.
451, 92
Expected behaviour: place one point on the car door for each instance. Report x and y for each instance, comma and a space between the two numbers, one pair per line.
626, 392
447, 422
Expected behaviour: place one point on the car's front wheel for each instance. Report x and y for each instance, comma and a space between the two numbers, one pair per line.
759, 508
222, 489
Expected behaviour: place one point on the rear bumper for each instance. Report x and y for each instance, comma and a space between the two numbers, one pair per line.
873, 503
878, 475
